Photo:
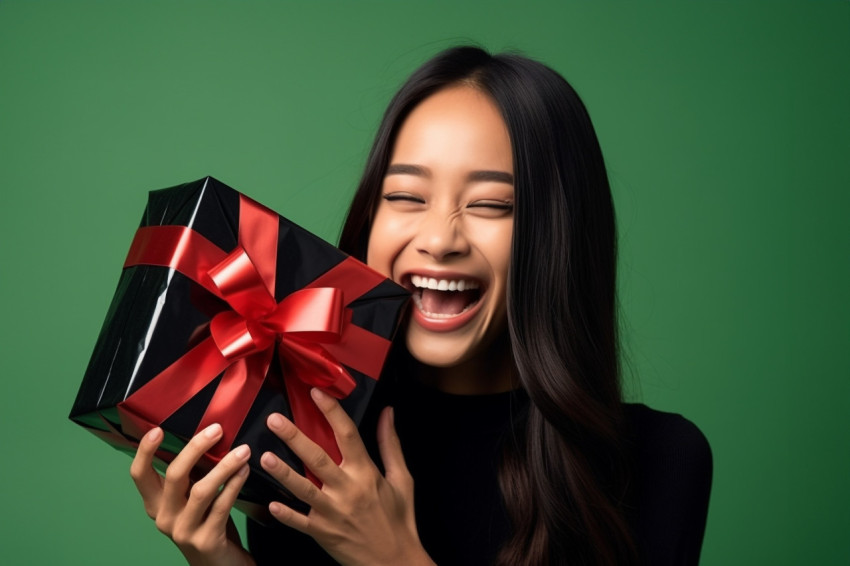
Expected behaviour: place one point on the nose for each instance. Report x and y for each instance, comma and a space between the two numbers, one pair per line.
440, 235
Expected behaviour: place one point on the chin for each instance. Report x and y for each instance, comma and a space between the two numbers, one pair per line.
433, 354
446, 351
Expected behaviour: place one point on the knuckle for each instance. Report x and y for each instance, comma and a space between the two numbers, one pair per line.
181, 537
348, 433
284, 472
289, 433
280, 472
135, 473
320, 461
335, 539
164, 525
407, 479
137, 470
203, 546
407, 487
174, 474
373, 479
311, 493
332, 409
199, 492
360, 496
218, 512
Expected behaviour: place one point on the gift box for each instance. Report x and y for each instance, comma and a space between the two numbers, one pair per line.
226, 312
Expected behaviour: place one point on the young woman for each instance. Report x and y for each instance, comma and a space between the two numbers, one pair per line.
508, 442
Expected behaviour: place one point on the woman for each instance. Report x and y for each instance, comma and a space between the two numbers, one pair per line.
486, 195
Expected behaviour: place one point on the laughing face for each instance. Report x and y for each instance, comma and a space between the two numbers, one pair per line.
443, 230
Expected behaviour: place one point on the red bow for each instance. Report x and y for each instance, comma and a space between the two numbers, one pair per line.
311, 328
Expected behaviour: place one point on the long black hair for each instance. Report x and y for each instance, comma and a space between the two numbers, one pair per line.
563, 480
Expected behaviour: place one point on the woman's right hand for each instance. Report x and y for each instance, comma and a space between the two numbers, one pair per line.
196, 516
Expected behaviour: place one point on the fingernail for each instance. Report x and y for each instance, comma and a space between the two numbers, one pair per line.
242, 452
213, 430
154, 434
317, 394
274, 507
268, 460
275, 421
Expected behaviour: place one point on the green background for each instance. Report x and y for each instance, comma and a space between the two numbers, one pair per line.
726, 129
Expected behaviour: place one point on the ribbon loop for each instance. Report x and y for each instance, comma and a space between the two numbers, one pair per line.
312, 327
240, 283
317, 313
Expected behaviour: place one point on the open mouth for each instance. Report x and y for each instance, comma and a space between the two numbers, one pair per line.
444, 298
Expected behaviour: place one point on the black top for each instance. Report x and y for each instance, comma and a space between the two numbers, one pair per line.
459, 512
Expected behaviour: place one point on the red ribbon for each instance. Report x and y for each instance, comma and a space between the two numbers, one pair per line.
311, 329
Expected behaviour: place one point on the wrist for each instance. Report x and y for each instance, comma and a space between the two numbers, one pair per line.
416, 556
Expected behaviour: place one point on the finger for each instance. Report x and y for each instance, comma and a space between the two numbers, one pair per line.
345, 431
392, 456
177, 474
310, 453
298, 485
146, 478
290, 517
209, 488
220, 509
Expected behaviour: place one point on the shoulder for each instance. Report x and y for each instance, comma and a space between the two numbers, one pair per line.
671, 484
667, 435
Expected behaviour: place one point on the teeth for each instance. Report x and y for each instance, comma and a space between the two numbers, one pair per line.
442, 284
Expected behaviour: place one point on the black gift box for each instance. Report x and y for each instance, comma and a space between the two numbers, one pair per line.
160, 314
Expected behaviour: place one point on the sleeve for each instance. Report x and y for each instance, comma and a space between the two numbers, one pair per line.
675, 474
279, 544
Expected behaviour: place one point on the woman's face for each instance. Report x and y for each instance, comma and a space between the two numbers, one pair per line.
444, 224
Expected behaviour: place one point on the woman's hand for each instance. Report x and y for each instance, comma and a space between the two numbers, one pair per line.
195, 516
358, 515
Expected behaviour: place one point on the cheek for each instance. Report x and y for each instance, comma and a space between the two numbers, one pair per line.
376, 255
498, 251
383, 246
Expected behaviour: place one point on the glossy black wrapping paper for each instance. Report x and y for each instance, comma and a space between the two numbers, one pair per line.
158, 314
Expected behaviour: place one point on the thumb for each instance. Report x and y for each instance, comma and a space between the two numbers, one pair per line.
389, 446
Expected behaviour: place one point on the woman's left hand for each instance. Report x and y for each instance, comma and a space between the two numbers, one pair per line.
359, 516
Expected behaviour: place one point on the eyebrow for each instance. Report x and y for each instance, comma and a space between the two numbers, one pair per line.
495, 176
418, 171
405, 169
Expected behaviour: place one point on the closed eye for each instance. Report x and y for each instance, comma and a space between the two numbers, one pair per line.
405, 197
491, 207
492, 204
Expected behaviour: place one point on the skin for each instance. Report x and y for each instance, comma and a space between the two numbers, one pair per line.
446, 212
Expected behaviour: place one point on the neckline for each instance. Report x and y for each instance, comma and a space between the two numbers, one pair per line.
422, 402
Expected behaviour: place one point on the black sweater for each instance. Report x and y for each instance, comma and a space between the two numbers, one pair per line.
452, 445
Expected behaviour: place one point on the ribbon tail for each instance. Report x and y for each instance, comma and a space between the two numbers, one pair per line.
312, 422
361, 350
233, 399
354, 278
172, 388
177, 247
258, 235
